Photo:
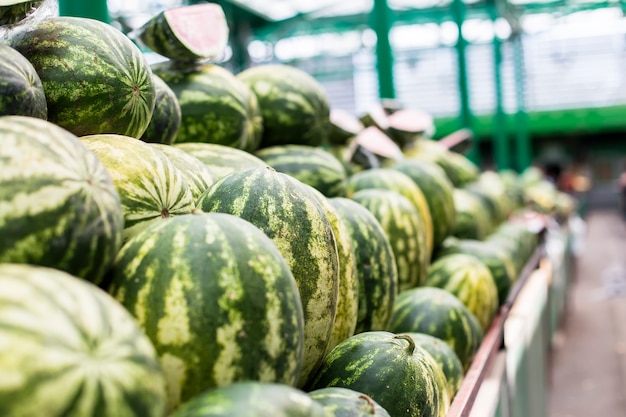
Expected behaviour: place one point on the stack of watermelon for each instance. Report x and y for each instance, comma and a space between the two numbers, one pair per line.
199, 242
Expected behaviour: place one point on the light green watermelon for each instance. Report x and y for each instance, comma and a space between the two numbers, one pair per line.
221, 159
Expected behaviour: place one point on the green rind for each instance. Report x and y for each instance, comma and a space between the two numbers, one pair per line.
311, 165
390, 369
345, 402
294, 106
221, 160
252, 399
198, 176
437, 312
21, 91
214, 104
394, 180
94, 78
401, 223
376, 265
285, 210
470, 281
58, 205
166, 117
15, 13
437, 190
150, 186
472, 217
70, 350
217, 300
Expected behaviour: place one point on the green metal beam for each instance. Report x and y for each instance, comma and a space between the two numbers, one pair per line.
523, 149
94, 9
382, 23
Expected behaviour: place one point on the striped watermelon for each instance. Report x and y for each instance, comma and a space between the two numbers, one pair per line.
215, 105
445, 357
375, 265
15, 11
21, 91
252, 399
221, 159
286, 210
458, 168
95, 79
68, 349
196, 173
473, 220
345, 402
399, 375
517, 240
217, 300
394, 180
166, 117
58, 205
470, 281
403, 229
150, 186
294, 106
438, 191
437, 312
312, 165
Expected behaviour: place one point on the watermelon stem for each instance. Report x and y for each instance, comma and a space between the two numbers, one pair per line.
409, 339
370, 403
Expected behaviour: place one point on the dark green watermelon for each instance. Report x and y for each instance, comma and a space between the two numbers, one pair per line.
166, 117
14, 11
21, 91
345, 402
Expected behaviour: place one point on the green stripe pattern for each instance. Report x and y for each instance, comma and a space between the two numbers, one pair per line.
437, 190
248, 399
150, 186
58, 204
221, 160
391, 369
472, 217
21, 91
294, 105
345, 402
95, 78
286, 211
312, 165
437, 312
166, 117
217, 300
375, 264
213, 102
69, 349
388, 179
401, 223
470, 281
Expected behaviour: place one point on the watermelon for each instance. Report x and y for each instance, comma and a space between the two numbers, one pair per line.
438, 313
217, 300
493, 255
187, 33
345, 402
312, 165
375, 264
445, 357
15, 11
286, 211
470, 281
459, 169
438, 192
408, 125
343, 127
21, 91
150, 186
58, 205
252, 399
69, 349
401, 223
294, 105
399, 375
473, 220
394, 180
196, 173
517, 240
215, 105
220, 159
166, 117
94, 78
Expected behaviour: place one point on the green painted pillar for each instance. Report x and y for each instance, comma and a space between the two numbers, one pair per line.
95, 9
523, 149
458, 10
500, 138
382, 22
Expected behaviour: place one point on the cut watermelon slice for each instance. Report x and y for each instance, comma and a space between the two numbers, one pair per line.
343, 126
408, 125
187, 33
